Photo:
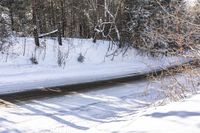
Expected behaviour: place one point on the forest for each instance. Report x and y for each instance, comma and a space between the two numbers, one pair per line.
155, 26
99, 66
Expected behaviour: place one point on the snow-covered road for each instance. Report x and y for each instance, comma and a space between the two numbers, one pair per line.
128, 107
77, 112
120, 108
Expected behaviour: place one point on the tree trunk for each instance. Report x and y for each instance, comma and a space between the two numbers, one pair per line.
35, 29
62, 18
11, 18
36, 37
59, 35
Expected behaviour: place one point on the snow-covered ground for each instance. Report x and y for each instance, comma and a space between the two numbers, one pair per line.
17, 73
125, 108
179, 117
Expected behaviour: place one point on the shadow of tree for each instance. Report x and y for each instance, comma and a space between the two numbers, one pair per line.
54, 117
182, 114
83, 110
5, 120
99, 111
4, 129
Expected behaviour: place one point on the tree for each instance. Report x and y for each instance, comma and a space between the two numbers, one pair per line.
4, 27
34, 19
144, 24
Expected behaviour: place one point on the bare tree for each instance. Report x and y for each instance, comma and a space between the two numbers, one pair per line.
34, 19
4, 27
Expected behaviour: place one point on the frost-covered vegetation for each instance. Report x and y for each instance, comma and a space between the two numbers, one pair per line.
51, 50
4, 27
153, 26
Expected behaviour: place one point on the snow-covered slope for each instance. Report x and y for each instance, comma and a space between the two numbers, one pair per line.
17, 73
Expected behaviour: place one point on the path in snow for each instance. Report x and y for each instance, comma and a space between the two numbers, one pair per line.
77, 112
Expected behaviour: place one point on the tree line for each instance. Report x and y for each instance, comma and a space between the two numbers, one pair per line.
144, 24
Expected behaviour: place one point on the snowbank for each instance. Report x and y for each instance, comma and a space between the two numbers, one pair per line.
17, 73
180, 117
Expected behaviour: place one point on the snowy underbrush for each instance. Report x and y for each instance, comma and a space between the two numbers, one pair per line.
174, 87
73, 52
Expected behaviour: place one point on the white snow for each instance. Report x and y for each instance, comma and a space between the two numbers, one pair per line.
18, 74
191, 3
49, 33
180, 117
125, 108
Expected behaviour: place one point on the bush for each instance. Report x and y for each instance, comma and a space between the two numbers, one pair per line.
81, 58
62, 57
33, 60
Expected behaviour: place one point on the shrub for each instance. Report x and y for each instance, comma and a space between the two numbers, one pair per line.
81, 58
33, 60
